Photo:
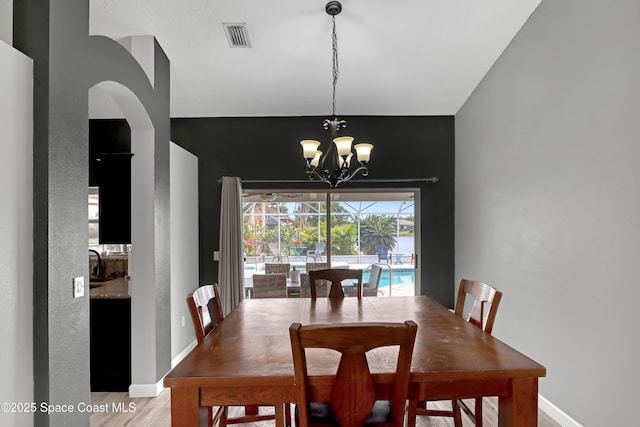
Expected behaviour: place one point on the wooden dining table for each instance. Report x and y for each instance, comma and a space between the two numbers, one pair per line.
247, 359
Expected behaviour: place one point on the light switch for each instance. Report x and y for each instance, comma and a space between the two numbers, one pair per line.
78, 287
216, 255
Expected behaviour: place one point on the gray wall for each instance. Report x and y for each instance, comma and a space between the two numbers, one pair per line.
547, 202
67, 62
16, 229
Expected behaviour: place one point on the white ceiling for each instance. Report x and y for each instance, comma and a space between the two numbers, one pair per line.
406, 57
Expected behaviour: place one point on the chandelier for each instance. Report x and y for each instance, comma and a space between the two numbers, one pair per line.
334, 166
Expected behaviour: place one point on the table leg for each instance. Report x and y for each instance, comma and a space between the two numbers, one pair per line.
521, 408
185, 409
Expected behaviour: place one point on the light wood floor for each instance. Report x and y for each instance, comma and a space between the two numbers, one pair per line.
157, 412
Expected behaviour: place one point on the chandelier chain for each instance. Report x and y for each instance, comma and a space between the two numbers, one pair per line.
336, 70
334, 166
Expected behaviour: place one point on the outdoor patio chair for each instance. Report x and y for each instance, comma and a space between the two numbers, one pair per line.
383, 253
277, 267
311, 266
269, 286
316, 254
370, 288
278, 255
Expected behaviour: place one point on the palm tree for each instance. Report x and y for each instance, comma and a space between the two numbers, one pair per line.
344, 239
376, 230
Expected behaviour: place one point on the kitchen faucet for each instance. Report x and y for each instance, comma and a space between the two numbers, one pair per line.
97, 271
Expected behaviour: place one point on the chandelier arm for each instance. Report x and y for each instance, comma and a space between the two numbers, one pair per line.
363, 169
312, 173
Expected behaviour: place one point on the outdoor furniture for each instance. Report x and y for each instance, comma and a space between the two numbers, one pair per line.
383, 253
277, 267
278, 255
293, 289
316, 254
481, 295
336, 277
311, 266
222, 371
322, 287
269, 286
353, 401
297, 251
370, 288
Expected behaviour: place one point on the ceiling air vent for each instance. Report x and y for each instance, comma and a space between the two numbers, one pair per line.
237, 34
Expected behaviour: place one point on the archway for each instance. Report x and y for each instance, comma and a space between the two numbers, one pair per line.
141, 259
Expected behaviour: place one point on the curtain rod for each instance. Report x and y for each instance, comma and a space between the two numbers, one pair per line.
431, 180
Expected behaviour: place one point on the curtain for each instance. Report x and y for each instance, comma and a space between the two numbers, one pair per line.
231, 268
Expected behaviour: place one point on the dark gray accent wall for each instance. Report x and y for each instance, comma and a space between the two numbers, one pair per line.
268, 149
67, 62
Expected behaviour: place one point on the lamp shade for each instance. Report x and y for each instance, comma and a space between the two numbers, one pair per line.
343, 145
309, 148
363, 151
316, 159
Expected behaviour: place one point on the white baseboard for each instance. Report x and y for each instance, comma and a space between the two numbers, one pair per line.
153, 390
146, 390
556, 413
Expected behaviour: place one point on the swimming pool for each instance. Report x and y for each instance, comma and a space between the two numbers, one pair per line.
405, 276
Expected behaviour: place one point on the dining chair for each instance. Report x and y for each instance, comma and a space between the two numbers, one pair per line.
206, 313
336, 277
277, 267
269, 286
370, 288
341, 280
353, 400
484, 301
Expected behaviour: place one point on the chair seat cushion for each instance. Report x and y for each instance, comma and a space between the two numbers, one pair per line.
322, 414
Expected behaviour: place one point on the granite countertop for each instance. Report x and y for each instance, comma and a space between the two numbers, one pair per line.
117, 288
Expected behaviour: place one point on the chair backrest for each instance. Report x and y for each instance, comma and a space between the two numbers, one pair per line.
318, 251
277, 267
383, 252
269, 286
273, 247
353, 394
371, 287
336, 276
311, 266
482, 295
206, 309
322, 287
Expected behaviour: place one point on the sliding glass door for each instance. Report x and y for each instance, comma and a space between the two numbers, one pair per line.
366, 228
